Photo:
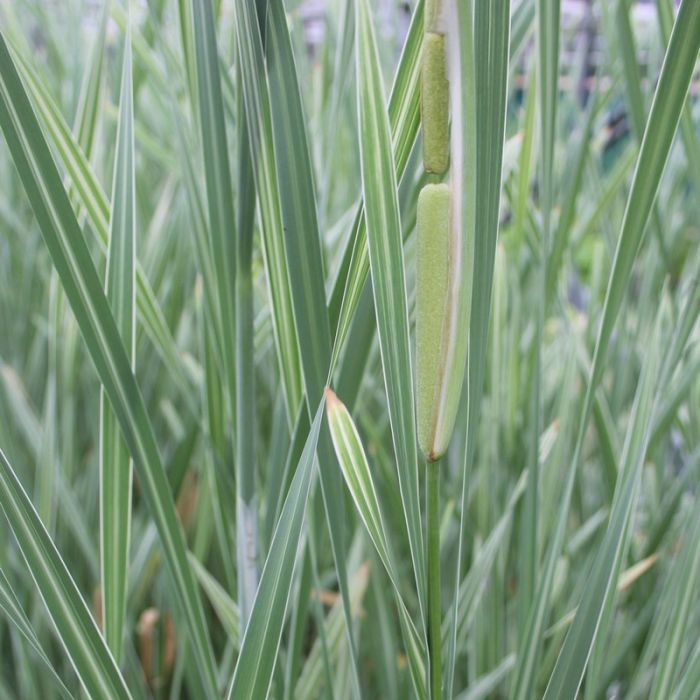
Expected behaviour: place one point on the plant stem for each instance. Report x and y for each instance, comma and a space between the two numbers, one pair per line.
434, 612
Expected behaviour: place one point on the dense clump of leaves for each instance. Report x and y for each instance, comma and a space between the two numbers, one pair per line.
210, 213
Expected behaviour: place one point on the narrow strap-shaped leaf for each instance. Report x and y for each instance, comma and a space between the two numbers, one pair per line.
91, 196
298, 204
548, 12
482, 71
222, 248
259, 119
485, 685
307, 578
147, 62
115, 462
685, 573
225, 608
664, 9
624, 38
358, 477
311, 678
200, 235
671, 90
385, 244
247, 518
342, 66
85, 185
404, 118
185, 21
522, 185
256, 660
523, 17
81, 283
476, 581
74, 625
222, 230
86, 115
630, 65
601, 584
46, 487
219, 478
305, 268
11, 607
690, 681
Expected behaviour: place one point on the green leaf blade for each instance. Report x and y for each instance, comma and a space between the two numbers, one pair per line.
256, 661
81, 283
75, 627
115, 462
385, 244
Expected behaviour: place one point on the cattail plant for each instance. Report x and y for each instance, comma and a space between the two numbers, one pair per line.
443, 285
195, 243
444, 249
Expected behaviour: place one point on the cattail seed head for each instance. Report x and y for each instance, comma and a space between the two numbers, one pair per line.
444, 259
431, 306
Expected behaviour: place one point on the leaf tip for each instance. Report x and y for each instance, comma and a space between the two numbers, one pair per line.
332, 401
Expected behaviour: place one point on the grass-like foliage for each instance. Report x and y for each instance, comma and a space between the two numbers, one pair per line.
349, 349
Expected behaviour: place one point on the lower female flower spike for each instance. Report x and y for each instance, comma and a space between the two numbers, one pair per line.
443, 298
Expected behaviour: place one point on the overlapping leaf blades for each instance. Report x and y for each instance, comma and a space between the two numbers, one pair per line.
75, 627
388, 278
287, 90
82, 286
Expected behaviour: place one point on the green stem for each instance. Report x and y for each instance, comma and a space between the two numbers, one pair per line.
434, 612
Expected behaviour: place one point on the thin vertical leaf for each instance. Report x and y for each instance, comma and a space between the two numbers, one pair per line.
664, 9
256, 660
480, 50
388, 278
547, 86
258, 116
86, 115
358, 477
91, 196
600, 586
222, 234
685, 574
305, 268
75, 628
11, 607
298, 205
246, 517
404, 118
669, 97
115, 462
81, 283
